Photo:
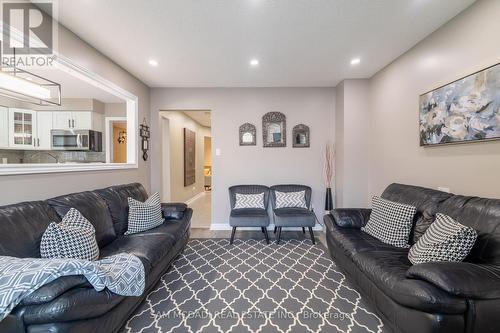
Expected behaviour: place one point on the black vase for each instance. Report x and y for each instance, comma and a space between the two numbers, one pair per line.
328, 199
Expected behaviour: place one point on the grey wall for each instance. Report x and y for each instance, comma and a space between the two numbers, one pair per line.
466, 44
352, 138
42, 186
232, 107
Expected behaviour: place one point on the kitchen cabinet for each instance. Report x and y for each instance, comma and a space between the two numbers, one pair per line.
82, 120
4, 127
43, 127
22, 126
77, 120
61, 120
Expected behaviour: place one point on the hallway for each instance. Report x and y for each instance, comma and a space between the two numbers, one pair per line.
202, 211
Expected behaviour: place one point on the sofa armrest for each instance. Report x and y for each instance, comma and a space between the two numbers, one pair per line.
173, 210
54, 289
460, 278
351, 217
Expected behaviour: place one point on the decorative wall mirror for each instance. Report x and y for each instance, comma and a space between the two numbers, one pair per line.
248, 135
274, 129
300, 136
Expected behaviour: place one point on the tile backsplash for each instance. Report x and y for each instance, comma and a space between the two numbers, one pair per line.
50, 156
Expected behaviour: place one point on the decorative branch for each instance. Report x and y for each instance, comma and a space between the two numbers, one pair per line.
329, 164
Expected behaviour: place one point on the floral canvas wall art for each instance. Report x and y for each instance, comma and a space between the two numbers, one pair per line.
465, 110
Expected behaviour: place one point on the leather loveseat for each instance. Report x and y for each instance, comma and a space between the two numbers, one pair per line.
71, 304
432, 297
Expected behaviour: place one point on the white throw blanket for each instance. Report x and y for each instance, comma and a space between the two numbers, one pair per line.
122, 274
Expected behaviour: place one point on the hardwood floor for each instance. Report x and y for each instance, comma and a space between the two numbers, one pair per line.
207, 233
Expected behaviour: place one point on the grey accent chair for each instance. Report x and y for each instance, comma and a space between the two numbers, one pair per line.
293, 217
249, 217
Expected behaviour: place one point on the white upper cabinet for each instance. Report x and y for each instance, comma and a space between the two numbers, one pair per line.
4, 127
61, 120
43, 127
82, 120
77, 120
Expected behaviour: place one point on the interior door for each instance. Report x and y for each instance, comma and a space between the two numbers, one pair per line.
61, 120
44, 126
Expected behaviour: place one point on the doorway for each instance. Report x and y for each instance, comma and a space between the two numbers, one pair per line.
187, 161
116, 139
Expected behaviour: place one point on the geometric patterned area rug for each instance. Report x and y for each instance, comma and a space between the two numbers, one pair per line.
293, 287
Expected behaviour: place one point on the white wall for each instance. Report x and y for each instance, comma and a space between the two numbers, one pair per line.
232, 107
42, 186
177, 122
464, 45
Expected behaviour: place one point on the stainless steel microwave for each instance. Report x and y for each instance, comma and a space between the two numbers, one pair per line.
83, 140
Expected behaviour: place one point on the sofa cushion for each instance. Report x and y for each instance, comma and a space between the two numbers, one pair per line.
22, 226
387, 269
353, 241
93, 208
150, 248
116, 199
461, 278
426, 201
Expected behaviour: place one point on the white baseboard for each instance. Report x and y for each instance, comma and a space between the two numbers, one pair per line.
226, 226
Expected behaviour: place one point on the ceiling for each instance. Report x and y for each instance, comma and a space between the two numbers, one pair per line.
307, 43
202, 117
72, 87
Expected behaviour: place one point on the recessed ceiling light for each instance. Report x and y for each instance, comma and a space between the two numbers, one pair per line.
355, 61
254, 62
153, 62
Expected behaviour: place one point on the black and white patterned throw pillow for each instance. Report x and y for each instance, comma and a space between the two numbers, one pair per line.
73, 237
249, 201
390, 222
445, 240
290, 199
145, 215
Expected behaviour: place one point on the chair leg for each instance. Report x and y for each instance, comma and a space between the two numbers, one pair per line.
232, 236
266, 234
262, 229
312, 235
278, 237
275, 229
303, 230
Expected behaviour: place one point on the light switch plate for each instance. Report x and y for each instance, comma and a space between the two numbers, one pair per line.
217, 152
